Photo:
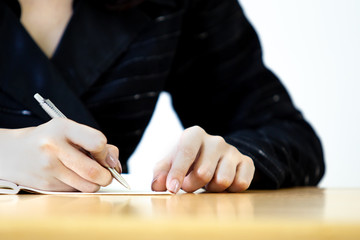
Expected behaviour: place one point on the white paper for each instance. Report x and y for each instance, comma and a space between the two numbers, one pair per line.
139, 186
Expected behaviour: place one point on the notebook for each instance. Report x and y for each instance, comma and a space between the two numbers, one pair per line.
139, 187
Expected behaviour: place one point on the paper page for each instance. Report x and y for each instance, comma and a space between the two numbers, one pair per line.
139, 186
7, 187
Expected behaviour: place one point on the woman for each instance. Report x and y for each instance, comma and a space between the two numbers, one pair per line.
104, 65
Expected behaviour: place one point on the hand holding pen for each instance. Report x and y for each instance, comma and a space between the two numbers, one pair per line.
87, 145
47, 157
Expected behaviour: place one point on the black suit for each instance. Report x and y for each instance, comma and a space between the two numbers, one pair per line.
109, 69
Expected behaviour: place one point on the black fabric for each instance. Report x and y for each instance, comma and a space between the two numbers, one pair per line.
110, 67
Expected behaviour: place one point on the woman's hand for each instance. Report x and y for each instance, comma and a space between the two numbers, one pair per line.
202, 160
48, 157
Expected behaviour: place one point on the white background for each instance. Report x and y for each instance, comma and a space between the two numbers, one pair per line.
313, 46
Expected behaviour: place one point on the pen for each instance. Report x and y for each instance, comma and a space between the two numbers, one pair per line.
54, 112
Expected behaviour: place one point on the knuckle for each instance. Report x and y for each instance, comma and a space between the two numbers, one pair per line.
252, 167
97, 144
101, 138
218, 141
249, 160
48, 160
197, 129
47, 144
100, 141
223, 182
203, 175
93, 173
188, 152
234, 150
194, 130
234, 154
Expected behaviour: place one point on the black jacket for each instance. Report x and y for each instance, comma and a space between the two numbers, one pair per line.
110, 67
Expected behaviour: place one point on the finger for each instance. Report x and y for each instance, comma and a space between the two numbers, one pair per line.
112, 159
87, 138
161, 171
224, 174
83, 165
72, 181
205, 166
186, 153
62, 187
244, 175
52, 184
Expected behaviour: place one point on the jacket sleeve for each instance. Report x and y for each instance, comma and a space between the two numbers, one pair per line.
219, 82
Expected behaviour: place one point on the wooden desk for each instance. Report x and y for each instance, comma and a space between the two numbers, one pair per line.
301, 213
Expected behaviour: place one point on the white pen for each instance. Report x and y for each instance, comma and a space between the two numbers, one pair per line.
54, 112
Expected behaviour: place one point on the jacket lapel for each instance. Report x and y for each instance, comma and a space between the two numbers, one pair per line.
25, 70
92, 41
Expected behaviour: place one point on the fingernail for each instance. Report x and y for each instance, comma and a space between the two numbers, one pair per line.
118, 166
174, 186
153, 183
154, 180
111, 161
